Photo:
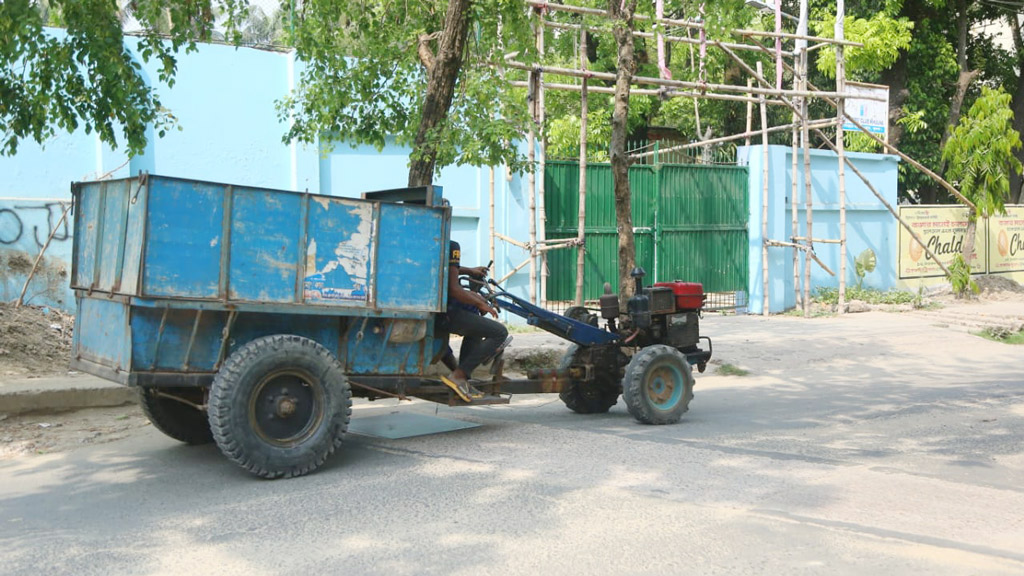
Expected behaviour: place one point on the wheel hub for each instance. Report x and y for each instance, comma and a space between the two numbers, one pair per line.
286, 407
664, 386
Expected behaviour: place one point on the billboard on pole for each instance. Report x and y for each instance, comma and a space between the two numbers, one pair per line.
872, 114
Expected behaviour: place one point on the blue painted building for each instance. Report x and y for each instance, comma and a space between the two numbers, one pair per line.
868, 223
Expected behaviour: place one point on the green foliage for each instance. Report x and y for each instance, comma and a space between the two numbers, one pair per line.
830, 296
364, 81
84, 77
980, 152
960, 277
864, 264
883, 37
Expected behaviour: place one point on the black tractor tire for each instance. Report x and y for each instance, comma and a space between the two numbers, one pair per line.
595, 397
279, 406
581, 314
658, 385
175, 418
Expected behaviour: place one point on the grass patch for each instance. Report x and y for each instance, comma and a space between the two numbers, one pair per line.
1002, 335
522, 329
731, 370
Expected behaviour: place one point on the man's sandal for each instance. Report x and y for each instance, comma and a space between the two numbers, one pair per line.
462, 388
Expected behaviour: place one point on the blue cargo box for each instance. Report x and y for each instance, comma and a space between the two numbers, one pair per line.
173, 275
167, 238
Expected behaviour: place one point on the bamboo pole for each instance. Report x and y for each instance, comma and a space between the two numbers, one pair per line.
750, 117
663, 93
582, 212
810, 253
816, 124
795, 192
703, 88
39, 257
764, 202
531, 142
805, 143
491, 198
651, 36
788, 36
841, 151
542, 216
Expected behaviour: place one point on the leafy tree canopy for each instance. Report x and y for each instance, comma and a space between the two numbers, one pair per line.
84, 76
364, 77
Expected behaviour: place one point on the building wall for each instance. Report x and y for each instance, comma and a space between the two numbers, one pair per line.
869, 225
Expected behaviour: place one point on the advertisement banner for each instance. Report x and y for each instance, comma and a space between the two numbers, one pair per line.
872, 114
1006, 241
942, 229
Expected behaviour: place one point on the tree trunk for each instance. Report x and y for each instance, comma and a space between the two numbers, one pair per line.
441, 76
622, 14
1016, 181
968, 251
963, 81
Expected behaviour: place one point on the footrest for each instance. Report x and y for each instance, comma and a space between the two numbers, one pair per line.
435, 391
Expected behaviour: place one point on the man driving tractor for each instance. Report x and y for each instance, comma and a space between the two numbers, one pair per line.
482, 337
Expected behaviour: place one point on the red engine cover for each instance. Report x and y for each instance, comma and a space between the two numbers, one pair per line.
689, 295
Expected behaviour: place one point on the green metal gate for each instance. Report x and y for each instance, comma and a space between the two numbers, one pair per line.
690, 224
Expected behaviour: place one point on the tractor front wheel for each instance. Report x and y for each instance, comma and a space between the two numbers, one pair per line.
658, 385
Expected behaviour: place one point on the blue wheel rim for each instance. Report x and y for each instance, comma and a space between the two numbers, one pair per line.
665, 385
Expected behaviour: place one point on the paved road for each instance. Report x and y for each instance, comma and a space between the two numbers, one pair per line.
871, 443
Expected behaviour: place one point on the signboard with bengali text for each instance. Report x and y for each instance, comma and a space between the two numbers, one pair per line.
942, 229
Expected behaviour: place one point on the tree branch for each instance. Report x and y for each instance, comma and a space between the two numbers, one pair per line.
424, 51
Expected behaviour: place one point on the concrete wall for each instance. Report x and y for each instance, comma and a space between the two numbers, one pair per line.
868, 223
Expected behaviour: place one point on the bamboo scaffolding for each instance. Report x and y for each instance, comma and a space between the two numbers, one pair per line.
797, 99
890, 148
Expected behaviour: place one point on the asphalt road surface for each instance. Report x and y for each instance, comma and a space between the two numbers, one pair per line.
873, 443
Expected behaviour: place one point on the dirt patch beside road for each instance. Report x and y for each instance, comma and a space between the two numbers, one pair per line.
34, 340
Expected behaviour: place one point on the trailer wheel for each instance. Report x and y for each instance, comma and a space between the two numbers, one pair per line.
658, 385
279, 406
595, 397
174, 417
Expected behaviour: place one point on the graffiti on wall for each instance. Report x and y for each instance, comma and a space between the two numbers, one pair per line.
20, 223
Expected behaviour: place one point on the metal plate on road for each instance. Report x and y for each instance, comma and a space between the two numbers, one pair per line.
398, 425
